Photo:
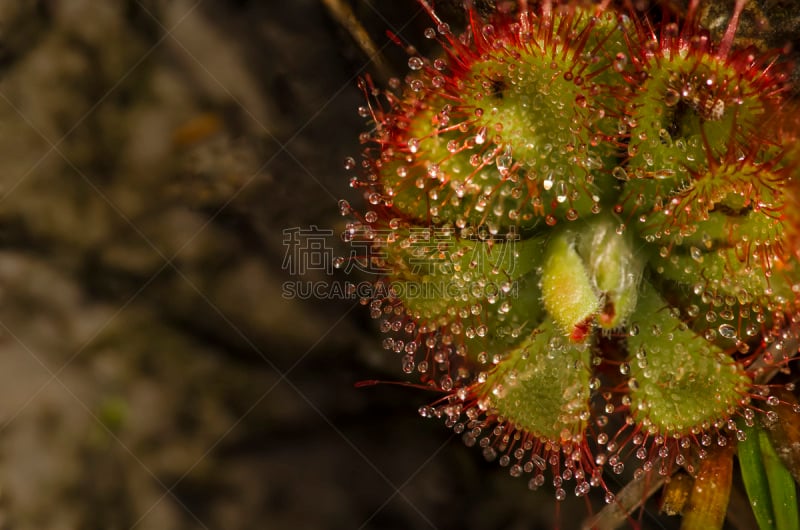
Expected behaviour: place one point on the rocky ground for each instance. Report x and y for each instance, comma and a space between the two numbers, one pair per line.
160, 158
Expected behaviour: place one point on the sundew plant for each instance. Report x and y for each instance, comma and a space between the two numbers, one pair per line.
586, 219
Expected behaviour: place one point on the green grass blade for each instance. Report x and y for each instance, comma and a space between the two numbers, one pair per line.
755, 480
781, 487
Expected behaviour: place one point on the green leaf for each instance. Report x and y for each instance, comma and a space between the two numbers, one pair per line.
781, 486
567, 290
769, 485
755, 480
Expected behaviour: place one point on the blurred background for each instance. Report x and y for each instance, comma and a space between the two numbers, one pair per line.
169, 178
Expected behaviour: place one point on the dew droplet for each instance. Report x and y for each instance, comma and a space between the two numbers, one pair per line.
671, 97
619, 62
415, 63
619, 173
536, 482
561, 191
480, 137
504, 161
